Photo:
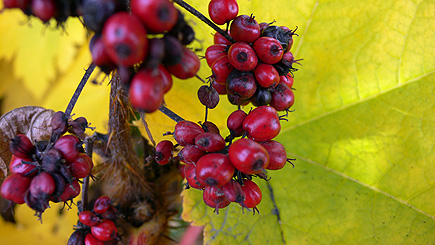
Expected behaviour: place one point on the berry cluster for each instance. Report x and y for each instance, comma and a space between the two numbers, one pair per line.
224, 171
47, 170
133, 43
258, 66
97, 226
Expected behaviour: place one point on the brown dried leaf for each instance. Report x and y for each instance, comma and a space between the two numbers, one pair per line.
33, 121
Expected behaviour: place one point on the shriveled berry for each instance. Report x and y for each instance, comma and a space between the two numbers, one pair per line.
51, 160
210, 142
77, 238
59, 123
186, 131
208, 96
104, 231
242, 57
164, 152
248, 156
214, 169
14, 188
262, 124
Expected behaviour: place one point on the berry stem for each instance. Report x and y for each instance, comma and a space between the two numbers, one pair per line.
79, 89
204, 19
172, 115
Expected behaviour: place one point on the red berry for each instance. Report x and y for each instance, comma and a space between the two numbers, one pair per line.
220, 88
268, 49
221, 68
282, 98
59, 123
104, 231
190, 174
125, 39
69, 146
164, 152
223, 11
248, 156
210, 142
287, 80
262, 124
219, 39
44, 9
245, 28
266, 75
102, 204
22, 4
88, 218
17, 166
81, 166
158, 16
100, 55
214, 169
91, 240
14, 188
214, 198
237, 100
233, 192
264, 25
235, 122
21, 146
165, 78
71, 191
242, 84
252, 192
186, 131
146, 91
242, 57
288, 56
214, 52
277, 154
42, 185
187, 67
190, 154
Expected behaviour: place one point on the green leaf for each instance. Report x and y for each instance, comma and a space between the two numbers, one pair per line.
362, 131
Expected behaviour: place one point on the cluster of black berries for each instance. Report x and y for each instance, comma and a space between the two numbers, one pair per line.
97, 226
47, 170
258, 66
223, 168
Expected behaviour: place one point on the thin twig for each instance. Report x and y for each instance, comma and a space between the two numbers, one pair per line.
79, 89
89, 151
147, 129
204, 19
172, 115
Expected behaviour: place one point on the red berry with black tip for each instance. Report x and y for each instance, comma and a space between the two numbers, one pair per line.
21, 146
245, 28
248, 156
221, 68
88, 218
277, 154
262, 124
125, 39
188, 65
81, 166
287, 80
282, 98
104, 231
18, 165
235, 122
190, 174
186, 131
268, 50
146, 91
214, 169
253, 194
164, 152
242, 84
213, 197
14, 188
233, 192
242, 57
190, 154
223, 11
102, 204
158, 16
210, 142
262, 96
42, 185
210, 127
266, 75
69, 146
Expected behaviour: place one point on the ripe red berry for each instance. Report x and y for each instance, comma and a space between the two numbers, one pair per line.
88, 218
164, 152
214, 52
125, 39
252, 192
69, 146
146, 91
220, 88
186, 131
287, 80
210, 142
245, 28
91, 240
222, 11
214, 169
213, 197
277, 154
14, 188
102, 204
242, 57
190, 154
219, 39
165, 78
233, 192
242, 84
44, 9
262, 124
235, 122
17, 166
248, 156
100, 55
71, 191
187, 67
21, 146
104, 231
158, 16
81, 166
268, 49
221, 68
190, 174
282, 98
42, 185
266, 75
